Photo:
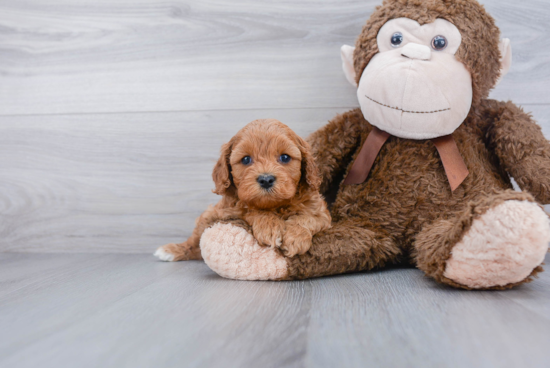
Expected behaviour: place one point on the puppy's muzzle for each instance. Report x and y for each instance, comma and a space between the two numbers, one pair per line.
266, 181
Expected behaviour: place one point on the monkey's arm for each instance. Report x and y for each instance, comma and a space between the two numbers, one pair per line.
521, 147
334, 144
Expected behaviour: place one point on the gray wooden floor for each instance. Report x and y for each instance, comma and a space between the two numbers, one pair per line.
120, 310
112, 113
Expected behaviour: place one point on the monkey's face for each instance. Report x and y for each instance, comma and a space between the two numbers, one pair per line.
415, 87
418, 78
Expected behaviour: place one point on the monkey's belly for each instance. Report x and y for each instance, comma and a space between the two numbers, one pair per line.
407, 187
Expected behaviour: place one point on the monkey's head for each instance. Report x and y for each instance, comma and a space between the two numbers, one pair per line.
419, 65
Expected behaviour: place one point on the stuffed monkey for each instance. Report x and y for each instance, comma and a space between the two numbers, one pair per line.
421, 171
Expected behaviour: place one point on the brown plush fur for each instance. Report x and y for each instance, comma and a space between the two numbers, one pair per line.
286, 215
406, 206
405, 210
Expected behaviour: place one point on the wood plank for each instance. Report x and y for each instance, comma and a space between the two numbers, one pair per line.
124, 56
400, 318
120, 182
19, 271
80, 288
130, 310
188, 316
535, 295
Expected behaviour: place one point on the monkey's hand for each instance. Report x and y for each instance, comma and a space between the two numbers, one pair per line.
521, 147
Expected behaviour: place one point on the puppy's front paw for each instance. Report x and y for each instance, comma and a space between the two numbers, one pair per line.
268, 234
296, 240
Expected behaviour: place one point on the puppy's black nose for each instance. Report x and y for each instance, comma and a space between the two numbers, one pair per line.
266, 181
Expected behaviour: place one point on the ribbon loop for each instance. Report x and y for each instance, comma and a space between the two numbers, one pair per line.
365, 159
452, 160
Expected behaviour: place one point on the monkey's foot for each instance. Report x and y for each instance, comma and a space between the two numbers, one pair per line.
232, 252
502, 247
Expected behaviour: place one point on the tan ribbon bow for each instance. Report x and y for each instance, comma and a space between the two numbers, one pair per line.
454, 165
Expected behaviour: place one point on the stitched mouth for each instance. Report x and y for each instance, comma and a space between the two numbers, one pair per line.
409, 112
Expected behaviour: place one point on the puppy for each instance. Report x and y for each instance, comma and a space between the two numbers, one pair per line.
269, 185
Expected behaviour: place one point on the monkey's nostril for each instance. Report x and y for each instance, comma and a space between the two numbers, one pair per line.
266, 181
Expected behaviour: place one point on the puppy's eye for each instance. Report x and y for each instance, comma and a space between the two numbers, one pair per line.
396, 39
246, 160
439, 43
284, 158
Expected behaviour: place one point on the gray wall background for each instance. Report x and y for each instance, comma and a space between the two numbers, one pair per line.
112, 112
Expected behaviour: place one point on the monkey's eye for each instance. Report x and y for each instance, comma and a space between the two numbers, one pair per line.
246, 160
284, 158
439, 43
396, 39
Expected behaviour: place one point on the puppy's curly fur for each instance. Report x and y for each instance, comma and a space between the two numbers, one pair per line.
284, 213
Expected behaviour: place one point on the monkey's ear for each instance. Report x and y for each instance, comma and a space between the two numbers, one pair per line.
347, 63
505, 48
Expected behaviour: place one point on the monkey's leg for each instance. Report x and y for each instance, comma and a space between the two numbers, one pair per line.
495, 242
233, 253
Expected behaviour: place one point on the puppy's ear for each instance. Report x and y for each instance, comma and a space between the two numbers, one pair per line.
310, 173
222, 171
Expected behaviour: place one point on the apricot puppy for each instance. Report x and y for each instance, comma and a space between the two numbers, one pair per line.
269, 184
